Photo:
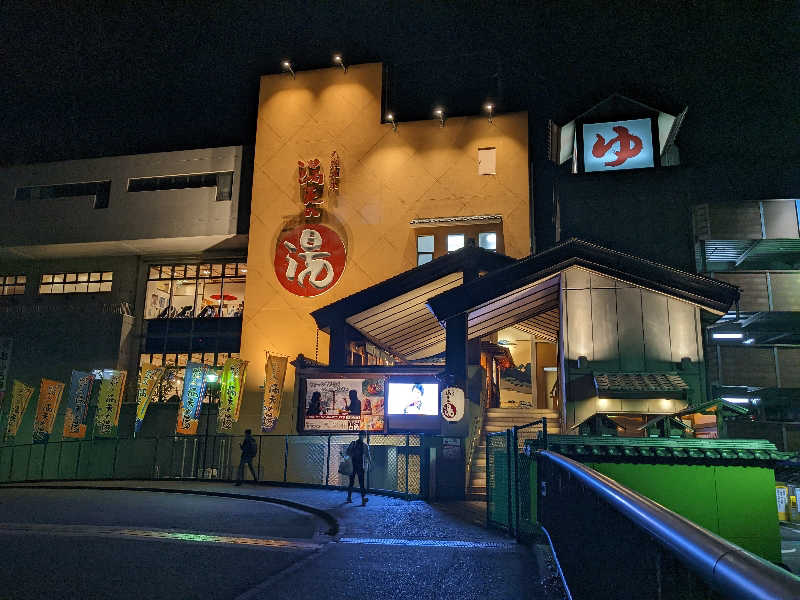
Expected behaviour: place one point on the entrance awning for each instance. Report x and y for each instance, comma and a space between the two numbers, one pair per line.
394, 314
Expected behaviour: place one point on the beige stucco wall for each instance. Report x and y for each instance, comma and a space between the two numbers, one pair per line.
388, 179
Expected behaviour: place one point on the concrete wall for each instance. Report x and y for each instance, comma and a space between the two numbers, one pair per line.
388, 179
622, 328
130, 215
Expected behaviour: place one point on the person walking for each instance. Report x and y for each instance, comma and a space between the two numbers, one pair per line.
359, 454
249, 450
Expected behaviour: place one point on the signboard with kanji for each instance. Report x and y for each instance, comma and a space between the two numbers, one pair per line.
309, 259
618, 145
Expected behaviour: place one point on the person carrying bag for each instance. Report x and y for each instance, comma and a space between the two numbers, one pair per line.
360, 459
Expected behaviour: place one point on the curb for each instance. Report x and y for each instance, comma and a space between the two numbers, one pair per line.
330, 520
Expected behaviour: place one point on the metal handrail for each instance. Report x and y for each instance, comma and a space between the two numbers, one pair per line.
724, 566
475, 435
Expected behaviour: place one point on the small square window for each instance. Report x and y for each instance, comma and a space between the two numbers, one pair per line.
242, 268
69, 288
94, 287
230, 270
425, 243
455, 241
216, 271
108, 276
46, 289
424, 257
154, 271
20, 289
94, 276
191, 271
204, 271
21, 279
71, 277
105, 286
179, 271
166, 271
487, 240
83, 277
47, 279
58, 288
82, 287
9, 280
58, 278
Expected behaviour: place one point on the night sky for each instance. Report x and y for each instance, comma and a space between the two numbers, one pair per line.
80, 80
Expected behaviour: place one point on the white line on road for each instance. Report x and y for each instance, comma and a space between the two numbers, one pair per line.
430, 543
164, 535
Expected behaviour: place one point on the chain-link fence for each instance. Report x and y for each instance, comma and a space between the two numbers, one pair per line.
511, 479
397, 460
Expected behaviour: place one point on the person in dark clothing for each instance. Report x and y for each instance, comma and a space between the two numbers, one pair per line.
354, 408
359, 453
315, 404
249, 450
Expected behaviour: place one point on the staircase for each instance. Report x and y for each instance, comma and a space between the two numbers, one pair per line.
500, 419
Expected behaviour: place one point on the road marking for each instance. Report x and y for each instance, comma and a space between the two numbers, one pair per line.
166, 535
429, 543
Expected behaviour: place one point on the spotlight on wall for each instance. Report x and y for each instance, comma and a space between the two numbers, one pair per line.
286, 65
439, 112
489, 108
212, 377
390, 118
338, 60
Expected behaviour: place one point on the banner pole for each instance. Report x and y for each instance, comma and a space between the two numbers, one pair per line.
44, 457
58, 466
78, 460
28, 464
285, 456
114, 463
328, 463
155, 461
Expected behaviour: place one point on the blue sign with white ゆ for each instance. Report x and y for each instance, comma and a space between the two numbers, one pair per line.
617, 145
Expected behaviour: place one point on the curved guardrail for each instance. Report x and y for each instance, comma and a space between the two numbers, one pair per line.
726, 568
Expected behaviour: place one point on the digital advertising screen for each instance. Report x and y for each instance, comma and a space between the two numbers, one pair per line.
413, 399
343, 404
413, 406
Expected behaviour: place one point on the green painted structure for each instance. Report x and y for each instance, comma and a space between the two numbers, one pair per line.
724, 485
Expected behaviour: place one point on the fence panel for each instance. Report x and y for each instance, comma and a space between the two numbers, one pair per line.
498, 478
306, 459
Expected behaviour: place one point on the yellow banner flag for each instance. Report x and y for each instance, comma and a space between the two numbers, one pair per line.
50, 393
273, 390
109, 403
20, 396
150, 377
230, 399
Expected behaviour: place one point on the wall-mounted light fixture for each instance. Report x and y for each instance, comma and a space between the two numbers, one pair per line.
489, 108
338, 60
439, 112
727, 336
390, 118
286, 65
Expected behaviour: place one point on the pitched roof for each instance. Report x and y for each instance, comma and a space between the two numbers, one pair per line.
710, 294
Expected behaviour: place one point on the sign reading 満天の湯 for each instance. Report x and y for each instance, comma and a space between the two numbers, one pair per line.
344, 404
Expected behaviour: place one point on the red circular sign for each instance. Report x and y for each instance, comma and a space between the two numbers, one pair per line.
309, 259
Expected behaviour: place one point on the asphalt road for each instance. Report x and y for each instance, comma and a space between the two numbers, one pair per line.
135, 544
790, 547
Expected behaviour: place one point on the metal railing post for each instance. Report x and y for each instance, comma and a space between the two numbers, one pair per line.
155, 462
28, 464
488, 490
114, 462
78, 461
407, 459
544, 432
44, 457
508, 479
516, 479
328, 462
58, 464
285, 456
260, 446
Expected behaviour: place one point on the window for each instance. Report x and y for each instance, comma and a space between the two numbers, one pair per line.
170, 388
488, 241
222, 181
195, 291
99, 191
455, 241
424, 249
11, 285
76, 283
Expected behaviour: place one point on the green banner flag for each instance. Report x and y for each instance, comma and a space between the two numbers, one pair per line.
230, 400
109, 402
20, 396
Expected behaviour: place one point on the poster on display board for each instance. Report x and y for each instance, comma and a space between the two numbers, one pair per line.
344, 404
50, 393
80, 393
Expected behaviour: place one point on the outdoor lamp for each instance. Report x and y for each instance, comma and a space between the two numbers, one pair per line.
287, 66
390, 118
439, 112
489, 108
338, 60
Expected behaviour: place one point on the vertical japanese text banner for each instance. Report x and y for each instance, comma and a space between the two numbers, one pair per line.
50, 393
273, 389
80, 393
5, 361
150, 378
20, 396
109, 403
194, 389
230, 399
